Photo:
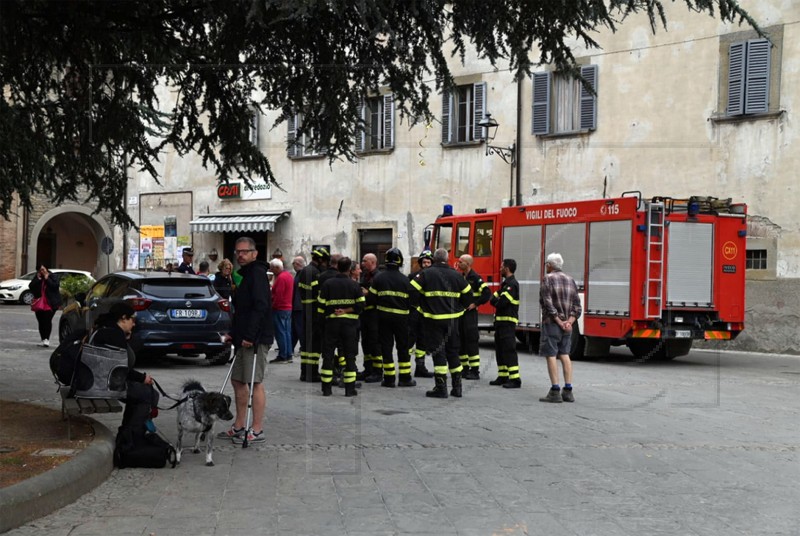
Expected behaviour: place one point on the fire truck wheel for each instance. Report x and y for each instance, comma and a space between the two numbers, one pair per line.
578, 343
529, 340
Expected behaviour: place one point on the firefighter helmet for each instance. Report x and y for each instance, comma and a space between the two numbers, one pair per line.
321, 254
394, 257
426, 254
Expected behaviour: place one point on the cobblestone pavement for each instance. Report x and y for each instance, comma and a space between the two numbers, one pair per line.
706, 444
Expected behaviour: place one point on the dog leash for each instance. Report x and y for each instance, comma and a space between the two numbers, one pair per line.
177, 403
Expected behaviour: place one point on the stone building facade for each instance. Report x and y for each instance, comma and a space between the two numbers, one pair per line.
663, 121
64, 236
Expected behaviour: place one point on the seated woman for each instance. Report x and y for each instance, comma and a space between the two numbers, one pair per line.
113, 330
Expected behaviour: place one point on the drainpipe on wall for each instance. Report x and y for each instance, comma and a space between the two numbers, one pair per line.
125, 204
25, 238
518, 200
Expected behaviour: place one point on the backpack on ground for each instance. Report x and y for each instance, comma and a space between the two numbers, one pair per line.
136, 447
66, 365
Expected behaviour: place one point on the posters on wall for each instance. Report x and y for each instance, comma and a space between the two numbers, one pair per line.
160, 245
133, 254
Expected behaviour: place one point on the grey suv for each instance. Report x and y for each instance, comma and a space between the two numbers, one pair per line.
175, 313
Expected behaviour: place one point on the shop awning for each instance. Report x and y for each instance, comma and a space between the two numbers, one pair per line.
234, 223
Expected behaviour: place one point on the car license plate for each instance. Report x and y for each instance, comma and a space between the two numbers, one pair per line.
683, 334
191, 314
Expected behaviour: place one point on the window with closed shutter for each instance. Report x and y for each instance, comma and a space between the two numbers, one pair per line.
748, 77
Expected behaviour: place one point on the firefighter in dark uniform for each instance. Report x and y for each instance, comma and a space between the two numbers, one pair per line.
416, 336
470, 353
373, 362
311, 340
506, 317
340, 302
330, 272
389, 293
443, 295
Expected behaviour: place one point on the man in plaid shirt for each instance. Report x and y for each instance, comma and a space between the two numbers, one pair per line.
561, 307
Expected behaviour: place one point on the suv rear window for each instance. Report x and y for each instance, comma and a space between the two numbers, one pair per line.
178, 289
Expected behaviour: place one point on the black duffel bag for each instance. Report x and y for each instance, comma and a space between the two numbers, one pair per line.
137, 448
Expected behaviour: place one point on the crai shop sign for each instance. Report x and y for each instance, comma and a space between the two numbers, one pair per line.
240, 191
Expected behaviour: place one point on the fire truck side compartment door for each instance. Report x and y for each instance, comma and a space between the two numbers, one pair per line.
524, 245
609, 277
690, 264
568, 239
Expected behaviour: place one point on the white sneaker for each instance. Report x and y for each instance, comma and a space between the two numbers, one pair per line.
46, 343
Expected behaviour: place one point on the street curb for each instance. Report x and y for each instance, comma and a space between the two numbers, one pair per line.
47, 492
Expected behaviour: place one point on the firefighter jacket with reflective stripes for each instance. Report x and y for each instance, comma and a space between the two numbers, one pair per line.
441, 292
308, 283
340, 292
390, 292
506, 301
480, 290
329, 273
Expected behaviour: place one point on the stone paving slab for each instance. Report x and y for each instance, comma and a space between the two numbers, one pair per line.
704, 445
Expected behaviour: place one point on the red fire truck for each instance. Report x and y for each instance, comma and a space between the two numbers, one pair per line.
652, 274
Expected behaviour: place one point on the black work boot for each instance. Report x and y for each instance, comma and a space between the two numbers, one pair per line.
327, 390
375, 375
440, 389
456, 390
516, 383
406, 381
421, 371
388, 381
361, 376
350, 389
471, 374
313, 374
342, 384
500, 380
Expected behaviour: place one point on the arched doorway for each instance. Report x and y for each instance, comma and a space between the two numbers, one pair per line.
69, 237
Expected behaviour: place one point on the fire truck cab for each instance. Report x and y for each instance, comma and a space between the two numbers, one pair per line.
654, 274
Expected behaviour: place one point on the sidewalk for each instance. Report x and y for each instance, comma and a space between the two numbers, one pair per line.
36, 443
676, 448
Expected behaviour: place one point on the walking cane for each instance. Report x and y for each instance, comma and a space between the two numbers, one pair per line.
230, 369
248, 426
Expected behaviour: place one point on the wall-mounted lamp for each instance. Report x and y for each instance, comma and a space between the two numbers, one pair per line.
277, 254
213, 254
508, 154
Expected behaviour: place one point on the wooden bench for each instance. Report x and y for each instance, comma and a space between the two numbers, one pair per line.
71, 407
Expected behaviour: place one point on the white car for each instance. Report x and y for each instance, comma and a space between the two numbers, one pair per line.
17, 291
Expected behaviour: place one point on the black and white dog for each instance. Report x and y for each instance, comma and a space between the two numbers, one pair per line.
198, 414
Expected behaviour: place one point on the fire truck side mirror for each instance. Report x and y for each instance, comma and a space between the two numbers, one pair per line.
426, 236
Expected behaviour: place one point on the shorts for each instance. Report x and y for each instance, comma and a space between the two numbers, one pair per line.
553, 341
243, 366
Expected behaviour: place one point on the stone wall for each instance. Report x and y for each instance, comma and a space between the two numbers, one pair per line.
772, 319
9, 254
